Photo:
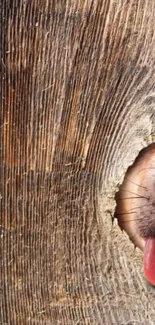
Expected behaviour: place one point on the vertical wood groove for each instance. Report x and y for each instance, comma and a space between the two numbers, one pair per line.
77, 104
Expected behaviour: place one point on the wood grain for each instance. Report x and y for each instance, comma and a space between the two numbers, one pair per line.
77, 104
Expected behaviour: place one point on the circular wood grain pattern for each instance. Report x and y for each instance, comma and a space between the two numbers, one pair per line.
77, 105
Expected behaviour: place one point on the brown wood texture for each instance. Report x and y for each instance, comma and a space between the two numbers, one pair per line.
77, 103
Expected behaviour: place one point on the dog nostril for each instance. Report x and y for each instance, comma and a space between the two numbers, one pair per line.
135, 199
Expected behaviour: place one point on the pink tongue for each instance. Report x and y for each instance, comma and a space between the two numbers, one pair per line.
149, 260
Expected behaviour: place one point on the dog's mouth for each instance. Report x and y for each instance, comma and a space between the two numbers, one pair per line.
135, 208
149, 260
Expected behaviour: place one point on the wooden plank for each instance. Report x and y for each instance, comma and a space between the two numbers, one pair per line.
77, 105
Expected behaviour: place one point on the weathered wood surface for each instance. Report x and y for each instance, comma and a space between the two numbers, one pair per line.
77, 104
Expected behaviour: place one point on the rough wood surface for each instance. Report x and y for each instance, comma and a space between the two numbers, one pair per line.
77, 87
